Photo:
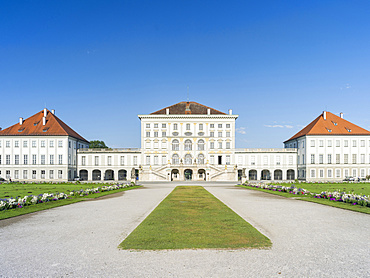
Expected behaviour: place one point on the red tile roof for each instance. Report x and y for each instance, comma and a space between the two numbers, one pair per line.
34, 126
195, 108
333, 125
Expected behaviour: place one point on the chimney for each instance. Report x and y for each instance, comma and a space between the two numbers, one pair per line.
53, 111
230, 111
45, 112
43, 120
324, 115
20, 120
208, 111
167, 111
341, 115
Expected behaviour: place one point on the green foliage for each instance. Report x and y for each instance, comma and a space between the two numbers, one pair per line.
96, 144
191, 217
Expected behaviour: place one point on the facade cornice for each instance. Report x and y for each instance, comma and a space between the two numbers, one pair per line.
174, 116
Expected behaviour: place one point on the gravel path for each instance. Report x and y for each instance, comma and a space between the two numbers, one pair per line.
80, 240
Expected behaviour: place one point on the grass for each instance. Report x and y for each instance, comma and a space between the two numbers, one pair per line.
191, 217
320, 187
50, 188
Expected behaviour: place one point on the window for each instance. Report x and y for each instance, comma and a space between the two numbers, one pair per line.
34, 174
188, 160
253, 160
148, 134
51, 174
155, 133
188, 145
60, 144
345, 158
175, 145
135, 160
212, 125
96, 161
346, 173
354, 172
321, 173
163, 134
201, 145
109, 162
220, 145
212, 145
7, 172
228, 160
156, 162
25, 174
147, 160
346, 143
174, 126
354, 158
51, 143
212, 159
329, 143
362, 142
83, 160
156, 144
321, 143
69, 159
7, 144
163, 125
164, 160
16, 144
321, 158
69, 144
187, 126
164, 144
43, 174
155, 125
313, 173
228, 134
337, 158
0, 143
175, 159
329, 158
200, 126
219, 125
278, 158
43, 159
302, 144
290, 160
312, 143
337, 173
147, 144
34, 159
227, 145
25, 144
354, 143
265, 160
33, 144
337, 143
212, 134
147, 125
25, 159
312, 159
220, 134
362, 158
60, 174
200, 159
0, 163
362, 175
16, 159
16, 174
227, 125
330, 173
122, 160
42, 143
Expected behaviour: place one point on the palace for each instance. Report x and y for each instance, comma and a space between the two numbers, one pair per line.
185, 141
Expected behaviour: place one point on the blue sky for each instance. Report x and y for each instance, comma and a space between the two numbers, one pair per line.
278, 64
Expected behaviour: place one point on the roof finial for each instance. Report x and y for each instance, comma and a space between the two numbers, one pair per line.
188, 95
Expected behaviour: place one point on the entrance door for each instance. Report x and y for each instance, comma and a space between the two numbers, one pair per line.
220, 160
188, 174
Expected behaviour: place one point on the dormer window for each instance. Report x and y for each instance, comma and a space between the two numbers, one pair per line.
36, 123
348, 129
45, 129
335, 123
20, 130
329, 130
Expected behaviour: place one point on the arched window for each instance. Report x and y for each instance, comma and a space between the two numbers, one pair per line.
175, 159
188, 159
175, 145
188, 145
201, 145
200, 159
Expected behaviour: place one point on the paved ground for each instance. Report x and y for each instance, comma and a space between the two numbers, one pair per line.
80, 240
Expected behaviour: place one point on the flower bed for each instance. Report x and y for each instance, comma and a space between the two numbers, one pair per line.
335, 196
12, 203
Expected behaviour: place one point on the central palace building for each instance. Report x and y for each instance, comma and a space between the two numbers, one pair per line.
185, 141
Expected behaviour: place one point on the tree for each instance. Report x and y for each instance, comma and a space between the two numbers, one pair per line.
96, 144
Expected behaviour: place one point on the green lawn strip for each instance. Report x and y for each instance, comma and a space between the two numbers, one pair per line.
309, 198
8, 190
191, 217
48, 205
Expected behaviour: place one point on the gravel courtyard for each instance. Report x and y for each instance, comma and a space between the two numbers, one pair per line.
80, 240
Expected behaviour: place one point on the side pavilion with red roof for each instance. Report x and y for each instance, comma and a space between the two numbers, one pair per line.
331, 148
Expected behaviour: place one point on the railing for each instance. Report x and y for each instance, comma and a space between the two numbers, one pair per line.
287, 150
109, 150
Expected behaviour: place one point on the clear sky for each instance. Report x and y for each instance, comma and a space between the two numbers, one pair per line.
277, 64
